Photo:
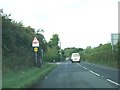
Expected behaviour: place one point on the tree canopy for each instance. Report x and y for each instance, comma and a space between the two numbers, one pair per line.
53, 43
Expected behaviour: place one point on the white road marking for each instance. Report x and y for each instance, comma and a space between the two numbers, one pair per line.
102, 76
79, 65
57, 63
89, 70
99, 75
85, 68
113, 82
94, 73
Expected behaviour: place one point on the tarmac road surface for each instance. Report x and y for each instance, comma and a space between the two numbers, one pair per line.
81, 75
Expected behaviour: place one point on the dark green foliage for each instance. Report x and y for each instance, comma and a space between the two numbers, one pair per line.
17, 48
63, 55
102, 54
118, 46
51, 55
76, 50
53, 43
53, 49
69, 51
17, 45
42, 41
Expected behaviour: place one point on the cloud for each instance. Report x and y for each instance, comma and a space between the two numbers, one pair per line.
79, 23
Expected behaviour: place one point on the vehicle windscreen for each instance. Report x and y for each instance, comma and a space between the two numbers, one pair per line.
75, 55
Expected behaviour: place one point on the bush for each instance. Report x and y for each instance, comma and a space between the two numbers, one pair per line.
51, 55
17, 51
102, 54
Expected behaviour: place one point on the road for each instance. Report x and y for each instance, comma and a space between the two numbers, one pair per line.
80, 75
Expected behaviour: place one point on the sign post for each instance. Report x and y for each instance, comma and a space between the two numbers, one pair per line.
35, 45
114, 40
36, 50
42, 56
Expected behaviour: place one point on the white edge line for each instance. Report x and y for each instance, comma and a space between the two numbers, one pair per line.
113, 82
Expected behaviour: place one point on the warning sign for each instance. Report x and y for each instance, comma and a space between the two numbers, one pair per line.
35, 42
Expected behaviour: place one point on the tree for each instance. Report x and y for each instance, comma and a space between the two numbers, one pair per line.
39, 31
43, 43
54, 41
17, 51
53, 49
69, 51
51, 55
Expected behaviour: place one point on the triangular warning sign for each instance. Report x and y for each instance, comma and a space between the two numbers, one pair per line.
35, 42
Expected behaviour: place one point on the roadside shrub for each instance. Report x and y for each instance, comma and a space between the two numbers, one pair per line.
102, 54
51, 55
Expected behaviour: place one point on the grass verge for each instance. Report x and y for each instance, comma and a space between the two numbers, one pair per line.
112, 64
26, 78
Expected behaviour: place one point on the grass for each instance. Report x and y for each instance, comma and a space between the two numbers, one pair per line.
26, 78
113, 64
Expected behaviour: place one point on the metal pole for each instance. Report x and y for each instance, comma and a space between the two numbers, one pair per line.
36, 57
60, 55
60, 44
42, 55
112, 41
60, 49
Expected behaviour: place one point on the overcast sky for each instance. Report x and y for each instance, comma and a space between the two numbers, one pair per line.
79, 23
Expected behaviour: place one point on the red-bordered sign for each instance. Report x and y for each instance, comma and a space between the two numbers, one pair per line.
35, 42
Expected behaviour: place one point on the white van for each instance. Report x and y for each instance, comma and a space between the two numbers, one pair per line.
75, 57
